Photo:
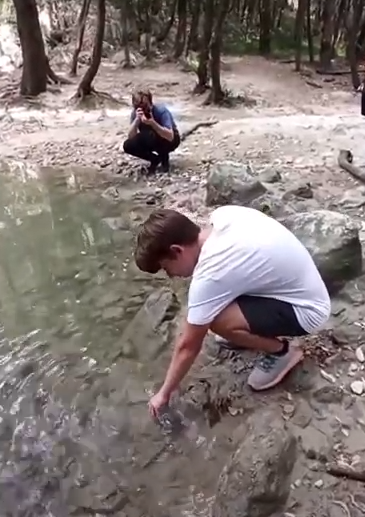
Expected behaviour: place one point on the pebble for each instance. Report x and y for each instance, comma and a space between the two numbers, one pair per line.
360, 355
357, 387
319, 483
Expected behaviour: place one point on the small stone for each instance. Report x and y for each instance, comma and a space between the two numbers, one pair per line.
353, 367
319, 483
360, 354
329, 377
357, 387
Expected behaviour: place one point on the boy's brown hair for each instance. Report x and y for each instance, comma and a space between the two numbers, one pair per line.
140, 96
163, 229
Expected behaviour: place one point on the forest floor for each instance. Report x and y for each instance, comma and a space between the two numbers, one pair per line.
293, 126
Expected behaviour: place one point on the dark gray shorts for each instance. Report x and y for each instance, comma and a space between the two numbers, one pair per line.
268, 317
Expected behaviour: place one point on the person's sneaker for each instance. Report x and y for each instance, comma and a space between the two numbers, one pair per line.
271, 369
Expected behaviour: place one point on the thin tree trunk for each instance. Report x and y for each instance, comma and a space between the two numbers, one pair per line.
34, 73
265, 27
353, 25
309, 33
85, 86
217, 94
327, 29
192, 43
166, 30
299, 28
181, 28
125, 39
81, 23
203, 78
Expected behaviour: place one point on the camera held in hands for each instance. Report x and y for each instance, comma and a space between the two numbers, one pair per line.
147, 111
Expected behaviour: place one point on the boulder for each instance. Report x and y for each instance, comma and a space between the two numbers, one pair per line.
232, 184
333, 241
151, 329
272, 205
256, 480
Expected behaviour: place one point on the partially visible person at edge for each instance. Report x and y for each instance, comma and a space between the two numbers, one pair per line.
153, 133
253, 283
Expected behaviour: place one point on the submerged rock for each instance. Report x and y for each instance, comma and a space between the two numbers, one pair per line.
333, 241
150, 331
256, 480
232, 184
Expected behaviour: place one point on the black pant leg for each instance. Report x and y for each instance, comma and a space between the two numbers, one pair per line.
140, 146
164, 147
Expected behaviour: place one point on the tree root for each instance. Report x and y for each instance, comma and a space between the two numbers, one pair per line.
95, 100
188, 132
54, 78
199, 89
228, 100
345, 159
346, 471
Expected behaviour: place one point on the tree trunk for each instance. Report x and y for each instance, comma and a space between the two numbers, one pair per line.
193, 40
181, 28
125, 38
85, 86
265, 27
203, 78
35, 64
353, 25
217, 94
166, 30
327, 29
299, 27
341, 13
81, 23
310, 33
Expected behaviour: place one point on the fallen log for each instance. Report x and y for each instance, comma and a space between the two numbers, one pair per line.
323, 71
345, 161
356, 473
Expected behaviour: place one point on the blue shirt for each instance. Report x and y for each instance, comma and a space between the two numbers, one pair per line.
162, 116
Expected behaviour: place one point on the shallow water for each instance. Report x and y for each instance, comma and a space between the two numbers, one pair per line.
75, 434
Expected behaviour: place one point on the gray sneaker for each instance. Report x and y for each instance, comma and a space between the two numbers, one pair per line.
271, 369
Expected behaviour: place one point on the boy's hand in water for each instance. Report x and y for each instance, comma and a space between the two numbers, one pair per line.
157, 402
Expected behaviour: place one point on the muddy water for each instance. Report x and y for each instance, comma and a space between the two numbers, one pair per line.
75, 435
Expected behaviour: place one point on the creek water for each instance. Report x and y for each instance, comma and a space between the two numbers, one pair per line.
75, 434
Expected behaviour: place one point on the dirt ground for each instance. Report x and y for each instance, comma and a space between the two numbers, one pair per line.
294, 127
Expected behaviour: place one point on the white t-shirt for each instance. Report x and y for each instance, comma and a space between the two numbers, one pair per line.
249, 253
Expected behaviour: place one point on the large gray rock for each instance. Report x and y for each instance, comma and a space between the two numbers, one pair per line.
333, 241
272, 205
151, 329
232, 184
256, 480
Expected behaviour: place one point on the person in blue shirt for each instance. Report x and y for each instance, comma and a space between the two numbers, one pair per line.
153, 133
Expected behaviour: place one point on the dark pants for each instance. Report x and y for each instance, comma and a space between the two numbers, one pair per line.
150, 146
363, 101
268, 317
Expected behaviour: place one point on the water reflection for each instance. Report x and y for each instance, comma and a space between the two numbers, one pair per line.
74, 431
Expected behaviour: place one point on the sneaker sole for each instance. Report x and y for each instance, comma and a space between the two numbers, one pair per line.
296, 359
